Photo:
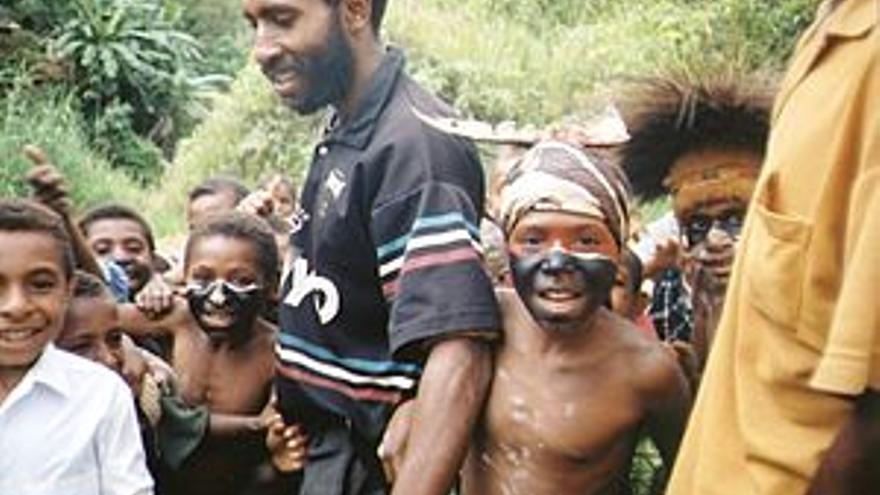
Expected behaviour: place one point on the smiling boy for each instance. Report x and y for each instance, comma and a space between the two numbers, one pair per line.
80, 412
572, 384
222, 351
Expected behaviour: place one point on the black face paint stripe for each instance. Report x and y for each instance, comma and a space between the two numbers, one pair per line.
598, 271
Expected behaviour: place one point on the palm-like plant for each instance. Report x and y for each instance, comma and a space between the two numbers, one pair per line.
126, 51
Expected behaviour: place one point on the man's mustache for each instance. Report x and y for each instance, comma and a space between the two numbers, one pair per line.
285, 65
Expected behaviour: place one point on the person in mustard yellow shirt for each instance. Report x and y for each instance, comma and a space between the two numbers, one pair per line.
789, 400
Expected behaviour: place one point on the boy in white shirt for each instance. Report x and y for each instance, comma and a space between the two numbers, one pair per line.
67, 425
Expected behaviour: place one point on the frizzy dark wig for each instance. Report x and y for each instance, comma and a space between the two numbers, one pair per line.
245, 227
669, 116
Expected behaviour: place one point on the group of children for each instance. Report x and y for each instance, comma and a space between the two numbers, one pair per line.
191, 336
190, 409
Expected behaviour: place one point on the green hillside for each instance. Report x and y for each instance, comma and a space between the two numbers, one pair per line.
530, 61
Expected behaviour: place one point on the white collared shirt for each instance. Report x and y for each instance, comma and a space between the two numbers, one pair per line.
69, 428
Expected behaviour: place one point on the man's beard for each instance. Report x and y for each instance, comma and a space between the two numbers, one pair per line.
326, 75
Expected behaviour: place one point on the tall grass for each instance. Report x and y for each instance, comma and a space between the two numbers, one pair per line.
51, 120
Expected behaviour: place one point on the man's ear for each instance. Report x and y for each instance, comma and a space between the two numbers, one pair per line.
356, 15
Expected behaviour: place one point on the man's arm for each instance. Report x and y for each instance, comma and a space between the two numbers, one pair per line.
451, 395
851, 464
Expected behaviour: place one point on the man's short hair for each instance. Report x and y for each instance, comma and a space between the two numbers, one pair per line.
18, 215
218, 185
88, 286
378, 12
246, 227
117, 211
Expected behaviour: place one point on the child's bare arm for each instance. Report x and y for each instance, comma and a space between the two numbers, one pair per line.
50, 189
232, 425
235, 425
140, 323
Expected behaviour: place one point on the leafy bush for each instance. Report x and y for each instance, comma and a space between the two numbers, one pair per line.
220, 27
138, 76
127, 53
114, 136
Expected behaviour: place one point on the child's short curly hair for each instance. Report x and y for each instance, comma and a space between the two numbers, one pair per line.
18, 215
246, 227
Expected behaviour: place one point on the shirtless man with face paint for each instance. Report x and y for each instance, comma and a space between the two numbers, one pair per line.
572, 386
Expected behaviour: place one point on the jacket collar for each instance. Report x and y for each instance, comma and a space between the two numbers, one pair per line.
358, 130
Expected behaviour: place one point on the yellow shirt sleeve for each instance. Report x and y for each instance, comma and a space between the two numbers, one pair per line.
850, 363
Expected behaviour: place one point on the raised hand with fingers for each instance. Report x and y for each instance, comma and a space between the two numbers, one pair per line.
156, 299
258, 203
49, 187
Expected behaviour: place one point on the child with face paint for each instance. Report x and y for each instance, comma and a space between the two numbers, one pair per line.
574, 382
223, 352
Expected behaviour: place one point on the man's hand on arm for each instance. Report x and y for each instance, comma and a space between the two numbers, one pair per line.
287, 444
451, 396
392, 450
850, 466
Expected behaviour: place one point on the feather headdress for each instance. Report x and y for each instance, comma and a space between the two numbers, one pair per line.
669, 117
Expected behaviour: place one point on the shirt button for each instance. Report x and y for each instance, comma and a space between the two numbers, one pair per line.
323, 150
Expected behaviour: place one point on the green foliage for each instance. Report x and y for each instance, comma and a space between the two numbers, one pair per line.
52, 121
768, 29
531, 61
115, 137
221, 28
128, 53
138, 76
535, 61
647, 467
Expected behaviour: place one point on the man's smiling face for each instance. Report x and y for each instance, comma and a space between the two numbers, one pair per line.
302, 49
